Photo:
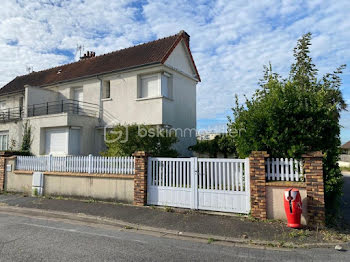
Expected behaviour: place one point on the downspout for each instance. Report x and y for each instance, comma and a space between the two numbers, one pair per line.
100, 112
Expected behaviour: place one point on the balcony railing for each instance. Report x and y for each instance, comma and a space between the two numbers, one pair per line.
64, 106
11, 114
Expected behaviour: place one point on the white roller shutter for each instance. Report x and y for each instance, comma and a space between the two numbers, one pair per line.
150, 86
57, 141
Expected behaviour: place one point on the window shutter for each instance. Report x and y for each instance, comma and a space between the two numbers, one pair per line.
150, 86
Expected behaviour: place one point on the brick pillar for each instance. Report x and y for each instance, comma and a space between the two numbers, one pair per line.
3, 156
313, 168
258, 184
140, 180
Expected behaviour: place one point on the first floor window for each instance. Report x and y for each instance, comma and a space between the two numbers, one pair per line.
155, 85
4, 137
150, 86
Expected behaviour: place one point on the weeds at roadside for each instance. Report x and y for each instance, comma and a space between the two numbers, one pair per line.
169, 209
300, 234
210, 240
128, 227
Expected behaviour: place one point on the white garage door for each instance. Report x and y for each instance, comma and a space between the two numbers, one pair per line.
57, 141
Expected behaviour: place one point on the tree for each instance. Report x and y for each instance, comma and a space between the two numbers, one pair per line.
220, 144
27, 137
125, 140
288, 117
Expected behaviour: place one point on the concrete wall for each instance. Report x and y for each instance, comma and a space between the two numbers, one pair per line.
12, 101
87, 124
15, 131
118, 188
37, 95
345, 158
179, 59
344, 164
275, 202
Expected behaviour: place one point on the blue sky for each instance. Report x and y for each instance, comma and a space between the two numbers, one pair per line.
230, 40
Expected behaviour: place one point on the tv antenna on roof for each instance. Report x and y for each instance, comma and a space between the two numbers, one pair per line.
29, 69
80, 49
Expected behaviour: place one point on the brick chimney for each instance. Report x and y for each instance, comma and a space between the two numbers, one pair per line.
87, 55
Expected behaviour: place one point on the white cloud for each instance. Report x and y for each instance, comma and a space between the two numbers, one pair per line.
230, 40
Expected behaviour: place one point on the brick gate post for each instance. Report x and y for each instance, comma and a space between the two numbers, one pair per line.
313, 168
140, 179
3, 155
258, 184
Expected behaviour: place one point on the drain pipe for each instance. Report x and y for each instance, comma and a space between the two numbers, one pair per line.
100, 103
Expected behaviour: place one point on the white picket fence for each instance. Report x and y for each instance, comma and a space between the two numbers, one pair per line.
284, 169
77, 164
199, 183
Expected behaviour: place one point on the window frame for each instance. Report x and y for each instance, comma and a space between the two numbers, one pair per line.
2, 135
105, 88
160, 87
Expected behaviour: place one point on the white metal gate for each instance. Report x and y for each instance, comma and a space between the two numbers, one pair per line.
199, 183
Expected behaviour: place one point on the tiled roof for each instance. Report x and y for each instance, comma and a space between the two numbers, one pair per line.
145, 54
346, 145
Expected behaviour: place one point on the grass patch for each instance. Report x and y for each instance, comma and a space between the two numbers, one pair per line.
128, 227
210, 240
345, 168
169, 209
301, 234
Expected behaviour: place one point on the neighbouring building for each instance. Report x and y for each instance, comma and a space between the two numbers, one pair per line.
208, 136
346, 148
69, 106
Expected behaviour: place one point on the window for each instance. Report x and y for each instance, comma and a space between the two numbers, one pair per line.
165, 85
4, 137
149, 86
155, 85
56, 141
106, 89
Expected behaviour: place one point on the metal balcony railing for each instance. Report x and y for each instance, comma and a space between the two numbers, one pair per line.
11, 114
64, 106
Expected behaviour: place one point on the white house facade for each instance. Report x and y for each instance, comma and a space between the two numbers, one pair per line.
69, 106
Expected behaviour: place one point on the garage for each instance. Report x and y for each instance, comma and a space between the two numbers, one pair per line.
62, 141
56, 141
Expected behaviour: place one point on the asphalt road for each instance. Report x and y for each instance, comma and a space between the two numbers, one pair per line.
36, 239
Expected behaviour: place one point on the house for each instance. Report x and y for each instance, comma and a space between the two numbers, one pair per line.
207, 136
346, 148
69, 106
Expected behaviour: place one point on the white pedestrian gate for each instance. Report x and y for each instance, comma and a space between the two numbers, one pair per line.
199, 183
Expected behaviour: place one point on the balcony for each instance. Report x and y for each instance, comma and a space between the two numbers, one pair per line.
11, 114
68, 106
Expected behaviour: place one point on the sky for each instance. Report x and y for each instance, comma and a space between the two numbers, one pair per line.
230, 40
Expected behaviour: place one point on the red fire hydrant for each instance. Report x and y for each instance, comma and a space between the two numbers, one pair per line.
293, 207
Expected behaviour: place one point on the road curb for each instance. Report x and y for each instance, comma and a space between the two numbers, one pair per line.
161, 232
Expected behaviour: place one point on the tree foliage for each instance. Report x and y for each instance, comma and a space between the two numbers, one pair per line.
220, 144
27, 137
288, 117
124, 140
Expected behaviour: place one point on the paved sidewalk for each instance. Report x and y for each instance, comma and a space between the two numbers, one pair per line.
171, 219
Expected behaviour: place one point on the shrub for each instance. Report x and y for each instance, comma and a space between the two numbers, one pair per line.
127, 139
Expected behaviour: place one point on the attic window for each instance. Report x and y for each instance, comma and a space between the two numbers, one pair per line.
59, 71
